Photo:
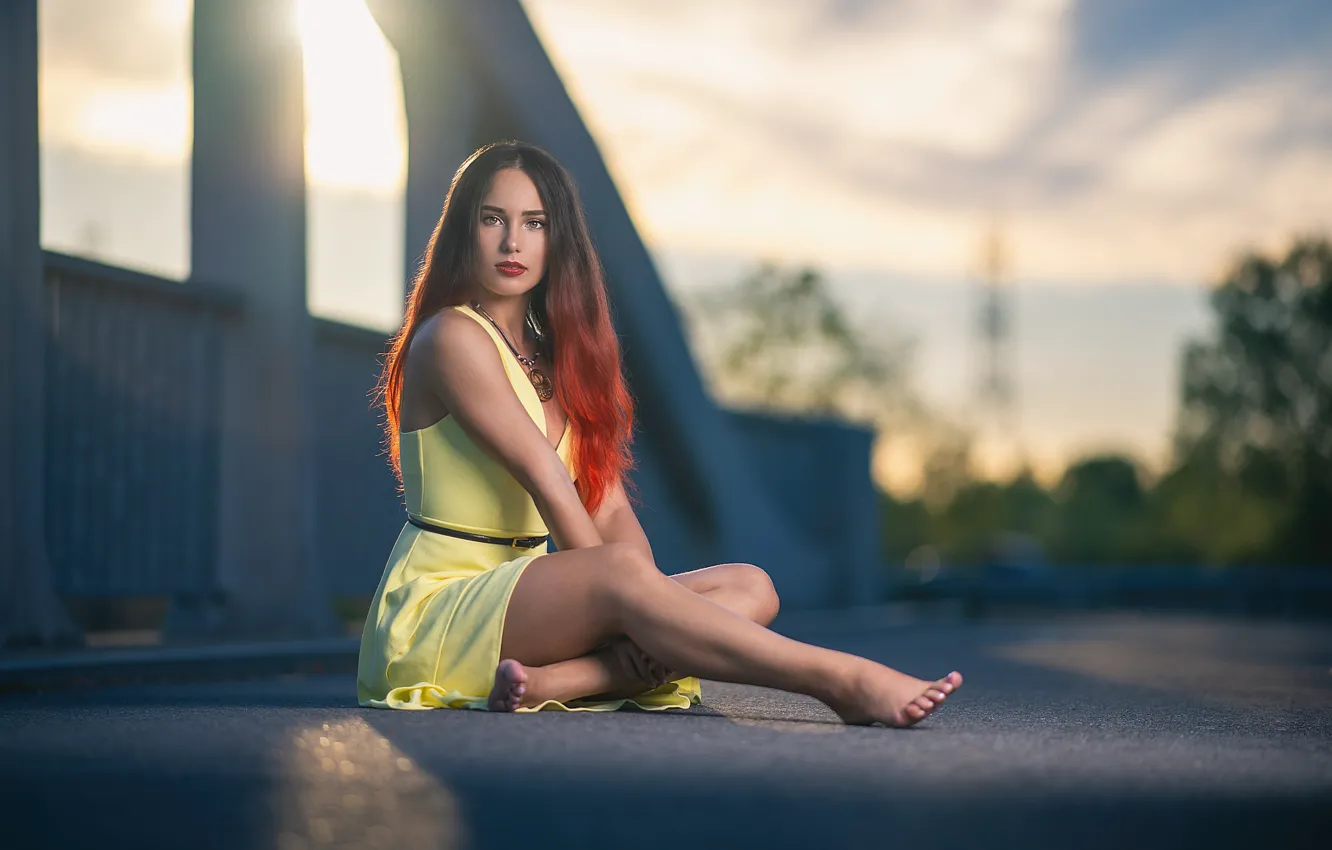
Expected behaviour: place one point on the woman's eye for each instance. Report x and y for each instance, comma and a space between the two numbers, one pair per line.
540, 225
490, 218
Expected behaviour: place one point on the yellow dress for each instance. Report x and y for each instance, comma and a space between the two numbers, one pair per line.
432, 634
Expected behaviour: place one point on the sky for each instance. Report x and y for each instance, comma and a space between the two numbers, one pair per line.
1126, 152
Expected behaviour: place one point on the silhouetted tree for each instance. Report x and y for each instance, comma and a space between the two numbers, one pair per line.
1101, 503
1255, 427
778, 341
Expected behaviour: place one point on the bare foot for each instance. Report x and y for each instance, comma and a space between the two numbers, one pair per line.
510, 686
879, 694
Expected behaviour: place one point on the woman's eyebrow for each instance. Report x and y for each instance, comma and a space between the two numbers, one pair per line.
504, 212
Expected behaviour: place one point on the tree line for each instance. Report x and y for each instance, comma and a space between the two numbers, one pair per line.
1250, 477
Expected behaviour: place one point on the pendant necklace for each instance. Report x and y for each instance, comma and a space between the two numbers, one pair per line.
545, 390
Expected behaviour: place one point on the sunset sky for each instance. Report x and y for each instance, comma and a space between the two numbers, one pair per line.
1126, 149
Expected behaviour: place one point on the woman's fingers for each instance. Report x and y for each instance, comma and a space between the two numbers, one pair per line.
651, 668
634, 661
654, 671
659, 672
642, 666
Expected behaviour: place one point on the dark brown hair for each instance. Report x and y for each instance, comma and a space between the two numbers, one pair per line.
570, 302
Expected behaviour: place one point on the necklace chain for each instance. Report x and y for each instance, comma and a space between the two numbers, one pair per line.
544, 389
526, 361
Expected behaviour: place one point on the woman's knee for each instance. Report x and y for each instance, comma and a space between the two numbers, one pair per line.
762, 593
626, 569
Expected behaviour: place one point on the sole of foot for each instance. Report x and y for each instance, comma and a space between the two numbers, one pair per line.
894, 699
510, 685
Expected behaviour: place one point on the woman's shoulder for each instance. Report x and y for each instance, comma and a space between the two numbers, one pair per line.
452, 336
448, 329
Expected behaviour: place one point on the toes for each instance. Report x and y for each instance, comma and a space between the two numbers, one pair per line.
924, 703
935, 694
949, 683
915, 712
510, 685
515, 672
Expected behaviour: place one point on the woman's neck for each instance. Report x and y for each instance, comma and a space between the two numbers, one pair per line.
509, 313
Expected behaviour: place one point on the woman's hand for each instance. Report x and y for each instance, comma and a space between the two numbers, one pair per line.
637, 664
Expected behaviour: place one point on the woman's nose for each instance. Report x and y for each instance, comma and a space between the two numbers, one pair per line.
510, 242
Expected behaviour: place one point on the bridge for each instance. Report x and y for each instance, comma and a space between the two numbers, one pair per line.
207, 449
209, 444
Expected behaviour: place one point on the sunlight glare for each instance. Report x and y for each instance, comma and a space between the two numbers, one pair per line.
355, 130
148, 123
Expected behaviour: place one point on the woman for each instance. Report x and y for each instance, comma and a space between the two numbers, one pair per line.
508, 419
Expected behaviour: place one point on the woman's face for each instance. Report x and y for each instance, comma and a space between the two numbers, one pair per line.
511, 235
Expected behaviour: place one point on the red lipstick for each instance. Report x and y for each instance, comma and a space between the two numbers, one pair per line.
513, 269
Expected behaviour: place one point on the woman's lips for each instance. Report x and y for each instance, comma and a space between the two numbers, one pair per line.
511, 269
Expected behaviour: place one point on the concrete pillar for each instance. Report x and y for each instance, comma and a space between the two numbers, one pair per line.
30, 612
441, 96
701, 449
247, 234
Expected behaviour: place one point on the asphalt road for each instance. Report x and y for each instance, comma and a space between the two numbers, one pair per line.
1124, 731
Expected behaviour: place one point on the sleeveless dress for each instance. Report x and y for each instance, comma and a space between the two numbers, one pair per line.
432, 634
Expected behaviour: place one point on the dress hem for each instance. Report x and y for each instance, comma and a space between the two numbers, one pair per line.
450, 699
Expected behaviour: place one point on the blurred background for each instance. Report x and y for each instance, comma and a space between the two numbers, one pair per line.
1063, 264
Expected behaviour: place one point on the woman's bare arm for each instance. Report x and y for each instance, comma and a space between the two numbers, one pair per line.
469, 378
617, 522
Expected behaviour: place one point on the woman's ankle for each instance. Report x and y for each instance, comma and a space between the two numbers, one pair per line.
843, 681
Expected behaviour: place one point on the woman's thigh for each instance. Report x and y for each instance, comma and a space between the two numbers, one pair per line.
564, 604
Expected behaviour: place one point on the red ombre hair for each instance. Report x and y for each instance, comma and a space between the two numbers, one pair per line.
570, 302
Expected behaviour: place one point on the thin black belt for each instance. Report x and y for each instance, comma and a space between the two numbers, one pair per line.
515, 542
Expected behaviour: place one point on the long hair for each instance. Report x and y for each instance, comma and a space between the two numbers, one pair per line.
570, 303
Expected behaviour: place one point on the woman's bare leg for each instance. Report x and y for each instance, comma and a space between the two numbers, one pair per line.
569, 603
597, 673
741, 588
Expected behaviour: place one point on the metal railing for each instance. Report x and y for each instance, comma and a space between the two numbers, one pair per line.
133, 369
133, 394
818, 471
135, 374
1245, 590
357, 501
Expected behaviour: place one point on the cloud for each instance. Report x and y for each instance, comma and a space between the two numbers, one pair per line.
1119, 141
107, 39
115, 78
1126, 144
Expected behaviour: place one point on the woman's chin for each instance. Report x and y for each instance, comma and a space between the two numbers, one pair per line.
504, 286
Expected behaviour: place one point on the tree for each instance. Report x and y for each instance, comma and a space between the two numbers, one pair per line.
1101, 506
1256, 406
778, 341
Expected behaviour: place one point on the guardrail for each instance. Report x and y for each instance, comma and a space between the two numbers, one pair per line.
1249, 590
818, 471
357, 500
133, 407
133, 370
133, 396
